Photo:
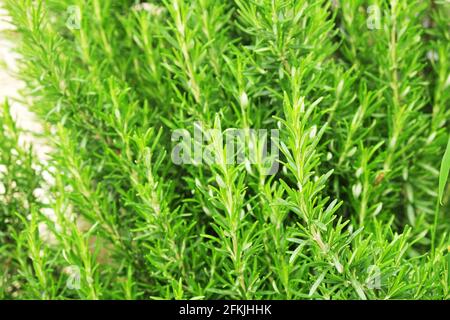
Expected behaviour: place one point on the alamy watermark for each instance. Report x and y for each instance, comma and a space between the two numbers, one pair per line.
258, 147
373, 17
73, 21
373, 280
74, 277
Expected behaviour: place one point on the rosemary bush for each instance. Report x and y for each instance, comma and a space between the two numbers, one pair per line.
357, 90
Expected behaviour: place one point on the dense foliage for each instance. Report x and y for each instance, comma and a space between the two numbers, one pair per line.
357, 89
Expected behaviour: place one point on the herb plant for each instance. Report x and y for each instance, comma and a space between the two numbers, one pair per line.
357, 90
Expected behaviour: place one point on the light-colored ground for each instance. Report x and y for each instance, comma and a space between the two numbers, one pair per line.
10, 87
30, 126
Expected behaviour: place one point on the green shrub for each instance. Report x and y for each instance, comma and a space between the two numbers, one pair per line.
360, 108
